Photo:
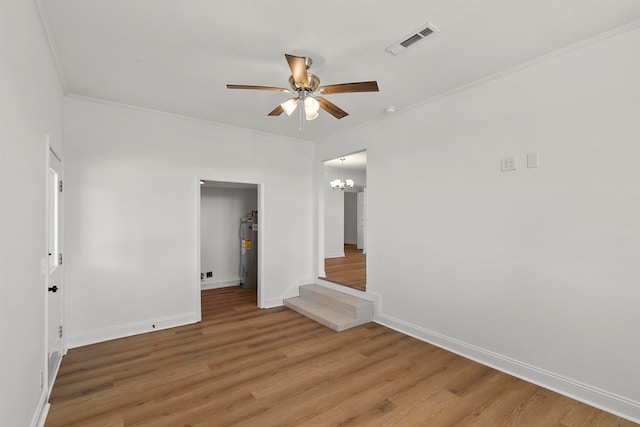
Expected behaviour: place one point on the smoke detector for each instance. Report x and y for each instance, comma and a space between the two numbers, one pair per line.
421, 33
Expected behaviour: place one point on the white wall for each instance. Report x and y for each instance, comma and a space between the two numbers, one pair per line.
220, 213
30, 107
534, 271
334, 211
132, 193
350, 218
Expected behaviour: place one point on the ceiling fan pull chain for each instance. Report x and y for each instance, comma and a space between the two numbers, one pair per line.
301, 116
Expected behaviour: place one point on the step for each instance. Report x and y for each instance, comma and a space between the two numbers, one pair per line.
339, 301
324, 313
334, 309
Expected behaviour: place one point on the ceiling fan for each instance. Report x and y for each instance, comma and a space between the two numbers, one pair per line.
307, 90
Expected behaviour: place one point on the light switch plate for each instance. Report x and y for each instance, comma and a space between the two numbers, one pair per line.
532, 160
508, 164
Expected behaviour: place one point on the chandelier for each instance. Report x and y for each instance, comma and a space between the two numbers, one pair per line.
341, 183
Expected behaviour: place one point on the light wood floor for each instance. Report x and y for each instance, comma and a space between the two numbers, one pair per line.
350, 270
252, 367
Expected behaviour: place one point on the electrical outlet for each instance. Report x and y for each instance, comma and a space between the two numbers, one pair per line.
41, 380
209, 274
508, 163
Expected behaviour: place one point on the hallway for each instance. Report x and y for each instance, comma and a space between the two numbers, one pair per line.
350, 270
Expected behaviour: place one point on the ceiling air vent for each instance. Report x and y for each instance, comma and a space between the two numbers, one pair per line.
417, 35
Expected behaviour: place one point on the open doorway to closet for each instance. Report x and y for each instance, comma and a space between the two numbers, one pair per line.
229, 221
345, 221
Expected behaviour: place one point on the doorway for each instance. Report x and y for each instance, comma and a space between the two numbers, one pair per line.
229, 250
344, 217
54, 265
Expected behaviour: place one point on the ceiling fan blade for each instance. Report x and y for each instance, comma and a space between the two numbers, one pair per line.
332, 108
298, 70
271, 88
277, 111
349, 87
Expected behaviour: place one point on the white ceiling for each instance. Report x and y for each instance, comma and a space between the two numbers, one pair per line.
177, 56
356, 162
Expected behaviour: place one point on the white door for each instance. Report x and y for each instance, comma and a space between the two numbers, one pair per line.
54, 267
361, 222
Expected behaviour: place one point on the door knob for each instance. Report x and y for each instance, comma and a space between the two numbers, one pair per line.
54, 288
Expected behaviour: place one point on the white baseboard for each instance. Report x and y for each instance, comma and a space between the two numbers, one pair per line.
293, 291
272, 303
594, 396
334, 255
121, 331
40, 416
220, 283
56, 369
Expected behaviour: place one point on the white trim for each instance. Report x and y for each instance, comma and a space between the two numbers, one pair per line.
273, 302
577, 390
55, 376
292, 291
121, 331
335, 255
262, 231
198, 268
319, 242
220, 283
44, 373
40, 416
50, 377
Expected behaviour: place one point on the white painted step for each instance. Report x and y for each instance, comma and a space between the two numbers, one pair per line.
335, 310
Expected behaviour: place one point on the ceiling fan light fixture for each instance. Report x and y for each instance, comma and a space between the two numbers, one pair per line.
311, 104
311, 107
305, 85
289, 106
310, 116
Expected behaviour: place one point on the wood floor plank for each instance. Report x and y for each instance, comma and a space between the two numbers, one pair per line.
246, 366
350, 270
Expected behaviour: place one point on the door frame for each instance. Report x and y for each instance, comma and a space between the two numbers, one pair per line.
362, 216
262, 227
49, 377
319, 205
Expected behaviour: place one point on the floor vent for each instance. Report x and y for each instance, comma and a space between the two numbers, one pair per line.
417, 35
